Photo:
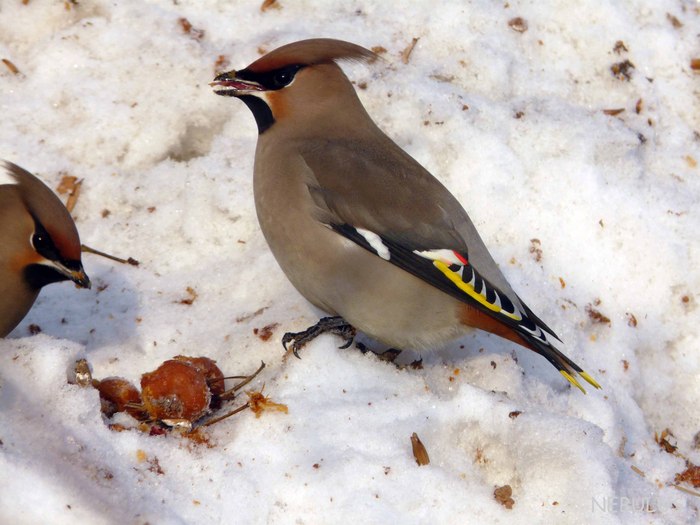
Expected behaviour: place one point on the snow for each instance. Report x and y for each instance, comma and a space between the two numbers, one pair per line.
513, 123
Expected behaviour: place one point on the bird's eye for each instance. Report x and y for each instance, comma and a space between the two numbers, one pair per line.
42, 243
283, 77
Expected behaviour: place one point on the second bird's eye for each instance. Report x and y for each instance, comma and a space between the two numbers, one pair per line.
42, 243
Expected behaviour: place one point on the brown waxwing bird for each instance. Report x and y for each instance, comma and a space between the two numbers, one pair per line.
39, 244
361, 229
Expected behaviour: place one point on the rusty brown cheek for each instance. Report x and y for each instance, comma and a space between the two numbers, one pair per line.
278, 104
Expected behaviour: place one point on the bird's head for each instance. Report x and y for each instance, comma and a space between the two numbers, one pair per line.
40, 240
299, 82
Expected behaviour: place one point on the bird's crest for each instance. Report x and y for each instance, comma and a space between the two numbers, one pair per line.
45, 207
311, 52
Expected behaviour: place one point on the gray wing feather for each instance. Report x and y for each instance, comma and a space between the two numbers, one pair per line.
377, 186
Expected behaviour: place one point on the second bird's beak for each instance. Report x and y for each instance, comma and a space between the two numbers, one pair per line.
76, 274
228, 85
81, 279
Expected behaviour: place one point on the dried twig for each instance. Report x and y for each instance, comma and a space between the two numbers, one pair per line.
228, 414
9, 65
130, 260
686, 490
73, 196
406, 53
231, 393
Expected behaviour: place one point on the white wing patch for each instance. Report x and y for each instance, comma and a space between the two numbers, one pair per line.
375, 242
446, 256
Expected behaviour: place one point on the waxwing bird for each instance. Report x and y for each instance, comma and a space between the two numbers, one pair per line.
39, 244
361, 229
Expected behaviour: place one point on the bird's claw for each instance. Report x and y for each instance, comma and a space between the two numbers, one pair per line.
333, 325
389, 355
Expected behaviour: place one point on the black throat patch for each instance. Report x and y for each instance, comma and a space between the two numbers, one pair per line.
261, 111
39, 275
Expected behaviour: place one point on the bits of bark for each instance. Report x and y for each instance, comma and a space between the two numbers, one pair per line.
419, 451
406, 53
270, 4
188, 29
9, 65
690, 475
266, 331
595, 315
247, 317
620, 47
518, 24
622, 70
71, 185
674, 21
222, 63
192, 296
613, 112
663, 441
503, 495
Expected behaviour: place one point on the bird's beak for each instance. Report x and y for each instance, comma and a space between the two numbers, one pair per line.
229, 85
81, 279
76, 274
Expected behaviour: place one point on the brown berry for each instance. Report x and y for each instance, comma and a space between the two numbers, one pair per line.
119, 395
175, 390
212, 374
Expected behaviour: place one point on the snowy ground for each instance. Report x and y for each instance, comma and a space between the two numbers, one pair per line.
513, 122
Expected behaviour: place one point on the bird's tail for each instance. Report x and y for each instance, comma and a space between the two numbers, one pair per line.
566, 366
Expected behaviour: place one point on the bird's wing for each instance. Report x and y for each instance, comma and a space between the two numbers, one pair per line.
450, 271
379, 197
375, 186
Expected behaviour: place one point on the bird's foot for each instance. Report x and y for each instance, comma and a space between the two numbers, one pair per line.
389, 355
332, 325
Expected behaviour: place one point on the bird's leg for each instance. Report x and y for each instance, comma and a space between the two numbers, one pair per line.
333, 325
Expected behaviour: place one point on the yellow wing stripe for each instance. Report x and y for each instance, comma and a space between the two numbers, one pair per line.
469, 290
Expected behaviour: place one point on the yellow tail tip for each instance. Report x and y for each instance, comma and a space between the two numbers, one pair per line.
589, 379
571, 379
